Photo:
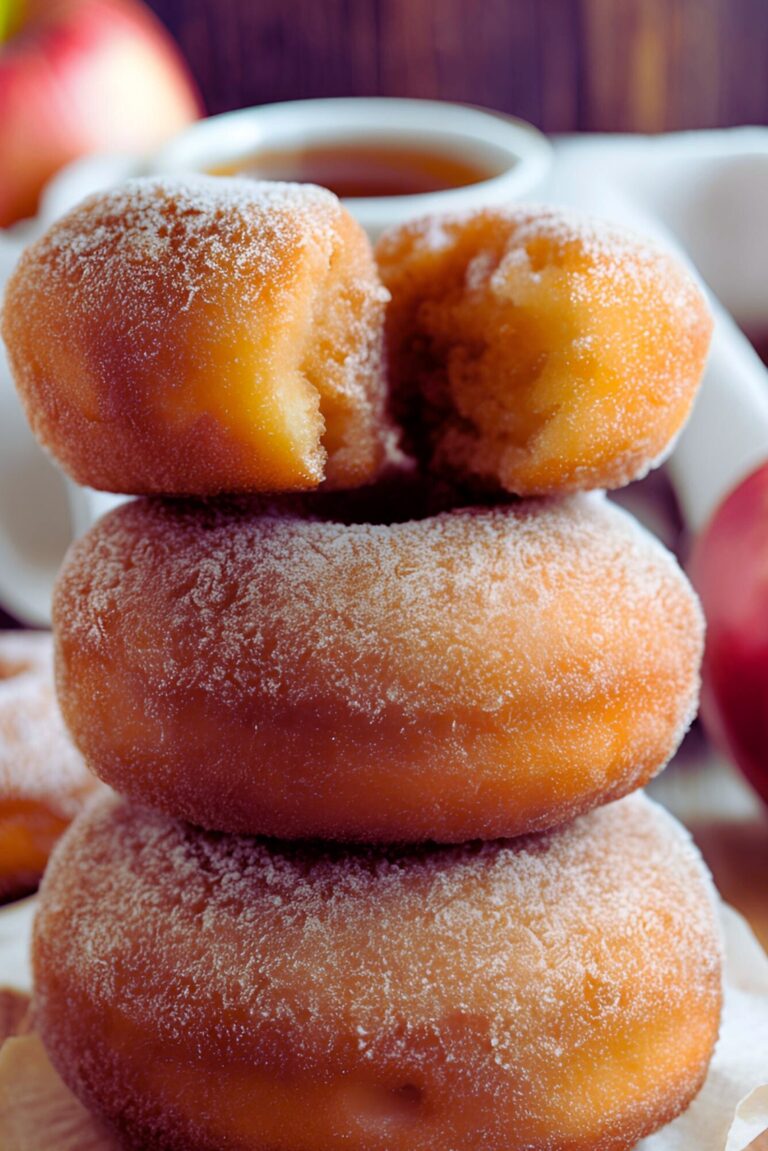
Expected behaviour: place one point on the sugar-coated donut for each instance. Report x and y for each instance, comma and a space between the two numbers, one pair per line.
43, 780
265, 668
538, 351
193, 335
202, 991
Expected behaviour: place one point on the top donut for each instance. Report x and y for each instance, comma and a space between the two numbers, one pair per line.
198, 335
195, 336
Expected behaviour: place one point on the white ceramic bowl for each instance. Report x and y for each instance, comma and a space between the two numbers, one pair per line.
515, 150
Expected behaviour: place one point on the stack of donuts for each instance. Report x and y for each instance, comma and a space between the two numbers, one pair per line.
373, 672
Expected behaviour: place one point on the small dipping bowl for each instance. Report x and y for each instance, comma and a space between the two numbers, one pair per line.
505, 159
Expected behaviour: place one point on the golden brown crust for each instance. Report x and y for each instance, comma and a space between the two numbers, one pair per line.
477, 673
202, 991
537, 351
43, 780
197, 335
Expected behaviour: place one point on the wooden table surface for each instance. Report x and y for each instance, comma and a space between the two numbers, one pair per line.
566, 65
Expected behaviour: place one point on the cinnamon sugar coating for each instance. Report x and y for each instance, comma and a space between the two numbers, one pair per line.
537, 351
195, 335
268, 668
202, 991
43, 780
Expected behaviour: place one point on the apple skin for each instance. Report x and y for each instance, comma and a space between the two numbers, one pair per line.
729, 569
84, 76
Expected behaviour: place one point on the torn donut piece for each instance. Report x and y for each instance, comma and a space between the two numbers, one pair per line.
536, 351
196, 335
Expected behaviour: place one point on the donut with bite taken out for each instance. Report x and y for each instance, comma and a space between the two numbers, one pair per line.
536, 351
193, 335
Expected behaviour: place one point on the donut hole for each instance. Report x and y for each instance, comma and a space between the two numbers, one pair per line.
401, 496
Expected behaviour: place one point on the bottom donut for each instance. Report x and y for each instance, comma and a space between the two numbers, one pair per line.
201, 991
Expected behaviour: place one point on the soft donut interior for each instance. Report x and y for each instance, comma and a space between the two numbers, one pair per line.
253, 385
483, 401
342, 363
296, 386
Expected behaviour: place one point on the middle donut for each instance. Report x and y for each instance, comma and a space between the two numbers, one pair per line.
286, 668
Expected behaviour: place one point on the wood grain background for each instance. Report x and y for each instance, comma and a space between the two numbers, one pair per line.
596, 65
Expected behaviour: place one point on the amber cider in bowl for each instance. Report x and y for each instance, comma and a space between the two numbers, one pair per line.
354, 170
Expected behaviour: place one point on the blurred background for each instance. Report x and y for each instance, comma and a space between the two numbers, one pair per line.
565, 65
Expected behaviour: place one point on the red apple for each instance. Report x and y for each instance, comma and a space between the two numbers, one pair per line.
729, 568
81, 76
